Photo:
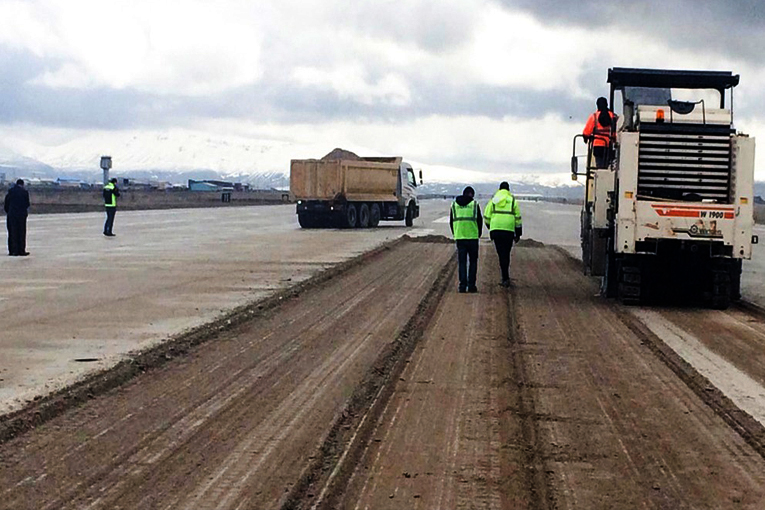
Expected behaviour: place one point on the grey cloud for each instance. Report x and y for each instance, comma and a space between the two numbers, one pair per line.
733, 29
435, 26
275, 99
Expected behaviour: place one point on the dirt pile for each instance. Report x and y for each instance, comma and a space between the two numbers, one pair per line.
341, 154
530, 243
428, 239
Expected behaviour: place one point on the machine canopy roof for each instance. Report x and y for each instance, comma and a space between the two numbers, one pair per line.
620, 77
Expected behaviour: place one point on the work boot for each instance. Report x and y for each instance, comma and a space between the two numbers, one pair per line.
473, 289
462, 290
505, 283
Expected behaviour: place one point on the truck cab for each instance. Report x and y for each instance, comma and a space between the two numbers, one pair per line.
407, 193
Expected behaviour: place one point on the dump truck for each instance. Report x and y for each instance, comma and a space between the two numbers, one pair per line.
670, 213
348, 191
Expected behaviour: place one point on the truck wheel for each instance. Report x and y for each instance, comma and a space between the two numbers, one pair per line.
351, 216
374, 215
630, 283
364, 216
409, 215
721, 288
735, 281
306, 221
611, 284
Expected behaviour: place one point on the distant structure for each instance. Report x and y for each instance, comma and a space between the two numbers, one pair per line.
213, 185
69, 183
106, 165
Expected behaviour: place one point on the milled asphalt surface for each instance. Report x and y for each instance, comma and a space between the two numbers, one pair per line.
81, 302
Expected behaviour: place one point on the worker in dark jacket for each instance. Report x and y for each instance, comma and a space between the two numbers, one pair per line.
111, 192
467, 226
16, 208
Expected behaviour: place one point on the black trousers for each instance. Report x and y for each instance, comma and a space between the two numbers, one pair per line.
17, 234
467, 255
503, 242
110, 212
602, 156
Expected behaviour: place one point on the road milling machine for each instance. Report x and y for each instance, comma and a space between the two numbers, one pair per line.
669, 212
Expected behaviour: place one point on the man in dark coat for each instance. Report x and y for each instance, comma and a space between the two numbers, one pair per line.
467, 225
16, 208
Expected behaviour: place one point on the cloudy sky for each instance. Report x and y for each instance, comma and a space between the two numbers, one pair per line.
495, 86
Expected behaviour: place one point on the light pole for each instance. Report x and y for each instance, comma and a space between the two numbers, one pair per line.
106, 164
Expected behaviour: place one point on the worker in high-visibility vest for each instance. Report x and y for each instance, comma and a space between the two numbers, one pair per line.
111, 192
503, 219
467, 226
601, 131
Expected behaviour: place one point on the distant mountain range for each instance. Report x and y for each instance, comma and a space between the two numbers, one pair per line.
179, 155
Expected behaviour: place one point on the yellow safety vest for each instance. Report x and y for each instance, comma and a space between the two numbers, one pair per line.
502, 212
110, 187
465, 220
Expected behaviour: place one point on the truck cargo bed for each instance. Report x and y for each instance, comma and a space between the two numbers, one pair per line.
364, 180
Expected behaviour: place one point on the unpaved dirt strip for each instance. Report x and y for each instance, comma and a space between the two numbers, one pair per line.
452, 436
617, 427
235, 423
546, 398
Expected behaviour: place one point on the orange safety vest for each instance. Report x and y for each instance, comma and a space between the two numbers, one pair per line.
602, 134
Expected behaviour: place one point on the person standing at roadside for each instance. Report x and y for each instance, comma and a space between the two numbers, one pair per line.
503, 219
111, 192
467, 226
16, 208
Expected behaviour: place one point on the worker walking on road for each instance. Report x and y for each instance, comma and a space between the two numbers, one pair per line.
111, 192
503, 219
467, 226
601, 131
16, 208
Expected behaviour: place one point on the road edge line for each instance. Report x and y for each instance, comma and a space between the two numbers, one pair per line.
749, 429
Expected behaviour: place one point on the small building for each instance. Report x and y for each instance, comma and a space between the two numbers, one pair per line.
69, 183
210, 185
202, 186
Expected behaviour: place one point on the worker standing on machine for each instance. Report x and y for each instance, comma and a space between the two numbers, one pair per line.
601, 131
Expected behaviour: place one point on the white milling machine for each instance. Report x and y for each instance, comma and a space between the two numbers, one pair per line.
672, 214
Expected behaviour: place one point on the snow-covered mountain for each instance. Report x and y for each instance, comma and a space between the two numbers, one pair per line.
179, 154
164, 151
13, 165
